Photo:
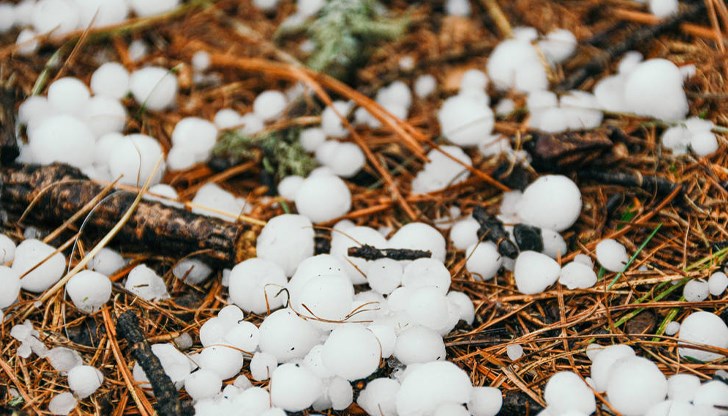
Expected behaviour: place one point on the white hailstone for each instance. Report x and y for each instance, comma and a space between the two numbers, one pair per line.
62, 404
473, 81
464, 305
266, 6
325, 301
677, 139
347, 160
262, 365
395, 93
230, 315
672, 328
584, 259
144, 8
255, 285
214, 201
57, 17
483, 260
138, 50
428, 306
331, 121
539, 103
441, 171
154, 87
671, 408
717, 283
195, 135
419, 344
612, 255
465, 121
566, 391
10, 282
322, 198
635, 384
581, 110
314, 362
696, 290
68, 95
511, 65
104, 115
432, 384
225, 361
286, 240
28, 255
351, 352
183, 342
35, 107
269, 105
24, 12
425, 85
200, 61
89, 290
604, 360
703, 328
451, 409
591, 351
62, 138
420, 236
251, 123
514, 351
106, 261
64, 359
312, 268
287, 336
191, 271
379, 397
274, 411
505, 107
457, 8
252, 401
145, 283
654, 88
387, 338
340, 393
134, 160
426, 272
682, 387
712, 395
84, 380
538, 206
663, 8
326, 152
558, 45
609, 92
100, 13
242, 382
7, 17
703, 143
309, 7
288, 187
226, 118
294, 388
203, 384
213, 331
577, 275
525, 33
27, 42
464, 233
384, 275
311, 138
485, 401
534, 272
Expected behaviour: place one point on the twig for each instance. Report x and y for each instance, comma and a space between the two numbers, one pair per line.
492, 229
368, 252
649, 183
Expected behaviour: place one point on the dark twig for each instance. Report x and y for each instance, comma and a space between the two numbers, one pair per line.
368, 252
492, 229
528, 237
8, 142
649, 183
168, 402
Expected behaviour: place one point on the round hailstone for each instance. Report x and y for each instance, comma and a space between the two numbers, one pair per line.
255, 285
465, 121
717, 283
286, 240
663, 8
35, 107
144, 8
7, 17
100, 13
153, 87
314, 267
106, 261
513, 59
387, 338
227, 207
62, 138
262, 366
64, 359
134, 159
331, 121
635, 384
577, 275
450, 409
294, 388
672, 328
104, 115
348, 159
419, 344
269, 105
351, 352
226, 119
62, 404
682, 387
68, 95
200, 61
485, 401
379, 397
539, 207
288, 187
191, 271
426, 272
244, 336
84, 380
145, 283
534, 272
457, 8
696, 290
604, 360
203, 384
441, 171
27, 42
566, 391
671, 408
483, 260
464, 306
703, 328
213, 331
225, 361
314, 362
58, 17
428, 307
420, 236
322, 198
110, 79
514, 351
612, 255
89, 290
175, 364
287, 336
384, 275
703, 143
712, 395
558, 45
10, 282
32, 252
340, 393
654, 88
425, 85
464, 233
325, 301
432, 384
311, 138
195, 135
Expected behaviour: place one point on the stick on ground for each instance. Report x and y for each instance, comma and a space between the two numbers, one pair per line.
368, 252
